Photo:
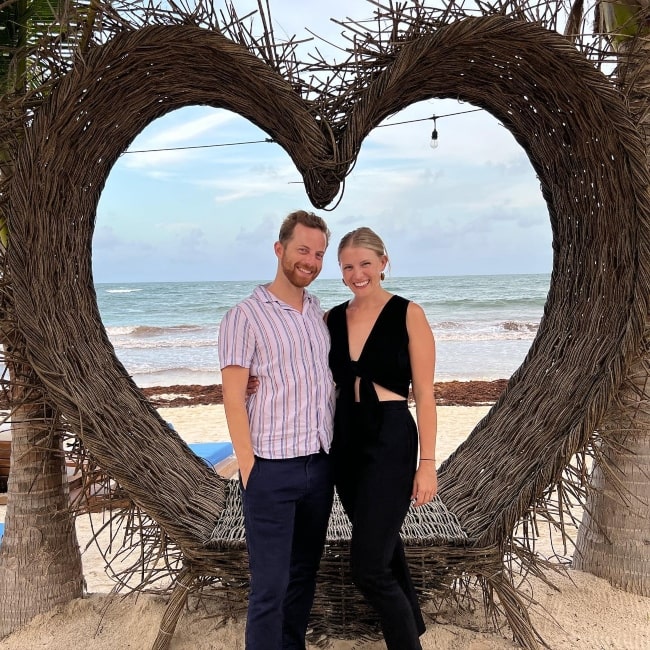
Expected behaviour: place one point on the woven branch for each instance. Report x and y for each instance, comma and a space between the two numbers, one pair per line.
512, 470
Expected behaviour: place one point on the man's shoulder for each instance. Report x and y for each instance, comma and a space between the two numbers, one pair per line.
250, 303
239, 313
313, 298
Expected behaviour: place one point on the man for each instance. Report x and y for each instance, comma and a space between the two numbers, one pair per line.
282, 434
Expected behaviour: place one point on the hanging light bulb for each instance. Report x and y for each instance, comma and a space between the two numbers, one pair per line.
434, 135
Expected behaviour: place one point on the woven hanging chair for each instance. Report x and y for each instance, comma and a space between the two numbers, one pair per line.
591, 166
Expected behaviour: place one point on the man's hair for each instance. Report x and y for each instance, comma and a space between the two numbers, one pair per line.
308, 219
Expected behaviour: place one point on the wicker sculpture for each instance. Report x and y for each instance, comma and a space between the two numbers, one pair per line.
591, 166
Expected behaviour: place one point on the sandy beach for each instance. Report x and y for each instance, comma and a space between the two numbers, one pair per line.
584, 612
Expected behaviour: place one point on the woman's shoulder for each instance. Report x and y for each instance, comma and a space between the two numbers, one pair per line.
399, 303
412, 310
336, 312
416, 317
340, 307
415, 309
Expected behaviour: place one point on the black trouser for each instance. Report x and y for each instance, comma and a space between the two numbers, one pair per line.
373, 472
287, 505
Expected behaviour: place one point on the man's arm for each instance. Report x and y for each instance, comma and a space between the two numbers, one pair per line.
234, 380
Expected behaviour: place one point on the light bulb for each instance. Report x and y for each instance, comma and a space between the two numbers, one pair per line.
434, 139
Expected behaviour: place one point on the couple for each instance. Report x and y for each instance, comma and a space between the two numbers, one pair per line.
293, 438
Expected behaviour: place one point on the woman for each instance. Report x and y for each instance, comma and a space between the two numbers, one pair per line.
381, 343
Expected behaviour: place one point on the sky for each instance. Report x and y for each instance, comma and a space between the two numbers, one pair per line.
471, 206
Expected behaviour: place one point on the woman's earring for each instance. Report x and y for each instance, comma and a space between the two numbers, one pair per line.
383, 275
343, 280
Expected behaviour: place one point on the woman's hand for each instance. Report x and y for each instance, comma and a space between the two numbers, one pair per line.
425, 484
252, 386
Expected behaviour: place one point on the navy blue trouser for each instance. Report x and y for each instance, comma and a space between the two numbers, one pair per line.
287, 505
374, 468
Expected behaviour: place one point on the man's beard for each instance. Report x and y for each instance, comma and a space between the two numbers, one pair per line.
295, 277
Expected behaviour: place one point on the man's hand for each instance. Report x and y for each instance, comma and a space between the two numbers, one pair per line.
245, 470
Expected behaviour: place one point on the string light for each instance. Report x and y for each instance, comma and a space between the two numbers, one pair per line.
434, 135
433, 143
200, 146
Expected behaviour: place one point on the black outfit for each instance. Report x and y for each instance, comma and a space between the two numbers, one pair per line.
374, 456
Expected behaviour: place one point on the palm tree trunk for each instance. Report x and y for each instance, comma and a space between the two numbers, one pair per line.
614, 536
40, 560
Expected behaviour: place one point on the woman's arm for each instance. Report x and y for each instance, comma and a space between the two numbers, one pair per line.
422, 353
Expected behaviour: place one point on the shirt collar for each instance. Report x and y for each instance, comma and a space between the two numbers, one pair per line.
262, 294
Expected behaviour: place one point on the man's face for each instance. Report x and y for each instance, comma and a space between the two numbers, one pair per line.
301, 258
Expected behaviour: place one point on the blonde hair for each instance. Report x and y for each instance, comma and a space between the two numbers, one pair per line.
363, 237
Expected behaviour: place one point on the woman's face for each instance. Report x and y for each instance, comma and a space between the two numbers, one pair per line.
361, 269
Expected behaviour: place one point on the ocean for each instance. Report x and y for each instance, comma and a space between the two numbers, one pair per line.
167, 333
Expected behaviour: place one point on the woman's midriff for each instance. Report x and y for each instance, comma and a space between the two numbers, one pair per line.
383, 394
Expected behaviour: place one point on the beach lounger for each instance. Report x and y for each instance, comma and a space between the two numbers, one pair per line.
211, 452
219, 455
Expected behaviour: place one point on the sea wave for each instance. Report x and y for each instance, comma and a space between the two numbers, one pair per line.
485, 331
122, 290
167, 333
148, 369
159, 344
479, 302
518, 326
152, 330
175, 376
484, 336
448, 325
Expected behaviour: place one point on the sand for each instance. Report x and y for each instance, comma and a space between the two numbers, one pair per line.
584, 612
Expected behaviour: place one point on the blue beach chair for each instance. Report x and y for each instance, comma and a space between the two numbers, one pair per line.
212, 452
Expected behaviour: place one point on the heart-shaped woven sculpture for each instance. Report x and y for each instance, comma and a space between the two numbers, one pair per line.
566, 116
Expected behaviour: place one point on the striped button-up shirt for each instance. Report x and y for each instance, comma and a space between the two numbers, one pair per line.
292, 412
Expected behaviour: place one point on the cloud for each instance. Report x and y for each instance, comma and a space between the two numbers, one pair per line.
264, 232
174, 130
107, 239
185, 131
473, 205
151, 161
256, 181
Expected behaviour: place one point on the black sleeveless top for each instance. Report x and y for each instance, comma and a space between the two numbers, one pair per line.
384, 359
